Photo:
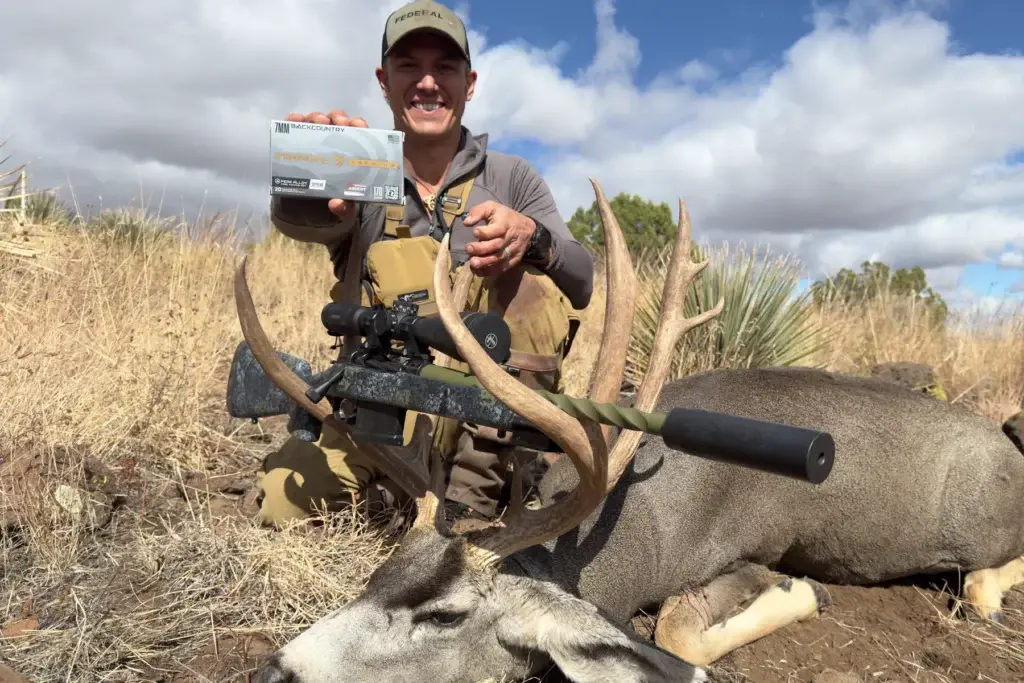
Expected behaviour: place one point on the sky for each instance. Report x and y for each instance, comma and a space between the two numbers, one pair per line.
836, 131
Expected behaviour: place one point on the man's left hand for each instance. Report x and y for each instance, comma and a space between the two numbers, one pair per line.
502, 236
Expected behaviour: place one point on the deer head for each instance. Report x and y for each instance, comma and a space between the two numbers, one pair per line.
449, 607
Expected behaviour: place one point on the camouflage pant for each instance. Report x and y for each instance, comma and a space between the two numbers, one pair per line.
301, 476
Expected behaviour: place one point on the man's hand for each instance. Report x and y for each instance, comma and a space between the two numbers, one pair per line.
338, 117
501, 239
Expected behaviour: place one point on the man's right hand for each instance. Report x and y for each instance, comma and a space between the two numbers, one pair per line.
338, 117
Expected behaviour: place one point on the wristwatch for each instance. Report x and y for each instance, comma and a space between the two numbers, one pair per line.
538, 250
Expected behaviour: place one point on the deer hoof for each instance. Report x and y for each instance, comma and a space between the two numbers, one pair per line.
821, 595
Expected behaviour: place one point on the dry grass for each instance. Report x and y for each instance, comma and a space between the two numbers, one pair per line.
116, 351
113, 351
978, 357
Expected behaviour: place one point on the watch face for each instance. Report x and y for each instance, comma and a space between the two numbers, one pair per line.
544, 240
538, 245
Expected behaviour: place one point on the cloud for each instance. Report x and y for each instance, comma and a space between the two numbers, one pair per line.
873, 137
867, 141
1011, 259
176, 97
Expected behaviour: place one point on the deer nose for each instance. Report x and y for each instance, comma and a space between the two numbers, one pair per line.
273, 671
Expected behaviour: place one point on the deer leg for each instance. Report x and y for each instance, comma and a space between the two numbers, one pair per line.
984, 588
692, 628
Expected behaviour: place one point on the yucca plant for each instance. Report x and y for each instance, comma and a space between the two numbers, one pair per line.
765, 322
44, 208
133, 226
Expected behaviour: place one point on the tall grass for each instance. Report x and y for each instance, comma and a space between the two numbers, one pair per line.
977, 356
114, 346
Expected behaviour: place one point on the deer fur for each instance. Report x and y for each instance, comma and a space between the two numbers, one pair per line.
917, 487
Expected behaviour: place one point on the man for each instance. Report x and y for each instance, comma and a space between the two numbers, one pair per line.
504, 226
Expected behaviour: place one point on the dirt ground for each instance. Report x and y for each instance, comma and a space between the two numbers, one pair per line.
879, 634
887, 634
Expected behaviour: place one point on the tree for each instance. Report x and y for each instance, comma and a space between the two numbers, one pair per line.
876, 279
645, 225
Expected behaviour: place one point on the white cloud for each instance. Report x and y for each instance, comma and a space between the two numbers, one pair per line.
696, 71
1011, 259
874, 137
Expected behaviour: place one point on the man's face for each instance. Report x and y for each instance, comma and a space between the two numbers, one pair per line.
427, 82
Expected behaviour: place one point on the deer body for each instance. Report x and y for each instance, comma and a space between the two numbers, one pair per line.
917, 487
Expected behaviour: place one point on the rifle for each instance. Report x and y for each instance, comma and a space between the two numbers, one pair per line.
393, 371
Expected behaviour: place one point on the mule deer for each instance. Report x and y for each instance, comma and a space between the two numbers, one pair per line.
918, 487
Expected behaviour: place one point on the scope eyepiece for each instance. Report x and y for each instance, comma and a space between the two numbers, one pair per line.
489, 329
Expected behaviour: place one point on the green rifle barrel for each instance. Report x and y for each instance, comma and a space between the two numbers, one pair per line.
604, 413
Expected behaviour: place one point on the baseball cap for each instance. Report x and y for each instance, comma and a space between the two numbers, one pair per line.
424, 15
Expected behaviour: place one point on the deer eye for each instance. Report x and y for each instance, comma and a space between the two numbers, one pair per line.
444, 618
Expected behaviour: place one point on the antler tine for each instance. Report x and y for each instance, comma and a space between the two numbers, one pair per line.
463, 281
620, 295
391, 459
672, 326
428, 505
582, 441
279, 373
495, 543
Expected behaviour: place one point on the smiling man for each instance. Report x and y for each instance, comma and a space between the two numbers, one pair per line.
503, 224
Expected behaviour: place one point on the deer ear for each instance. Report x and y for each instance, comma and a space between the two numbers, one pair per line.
587, 646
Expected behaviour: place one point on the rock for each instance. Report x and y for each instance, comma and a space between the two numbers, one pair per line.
100, 477
833, 676
19, 481
93, 508
17, 628
9, 675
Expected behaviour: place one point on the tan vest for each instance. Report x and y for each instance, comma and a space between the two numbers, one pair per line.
542, 322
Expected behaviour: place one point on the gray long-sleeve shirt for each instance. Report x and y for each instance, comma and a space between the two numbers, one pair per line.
505, 178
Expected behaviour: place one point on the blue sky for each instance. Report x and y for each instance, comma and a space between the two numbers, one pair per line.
730, 34
733, 35
835, 141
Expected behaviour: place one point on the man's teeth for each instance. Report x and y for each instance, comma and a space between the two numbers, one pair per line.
428, 106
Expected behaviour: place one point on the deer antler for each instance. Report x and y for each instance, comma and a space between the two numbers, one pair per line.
672, 325
583, 441
393, 460
565, 431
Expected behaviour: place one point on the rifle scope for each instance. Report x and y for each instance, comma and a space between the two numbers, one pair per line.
383, 324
